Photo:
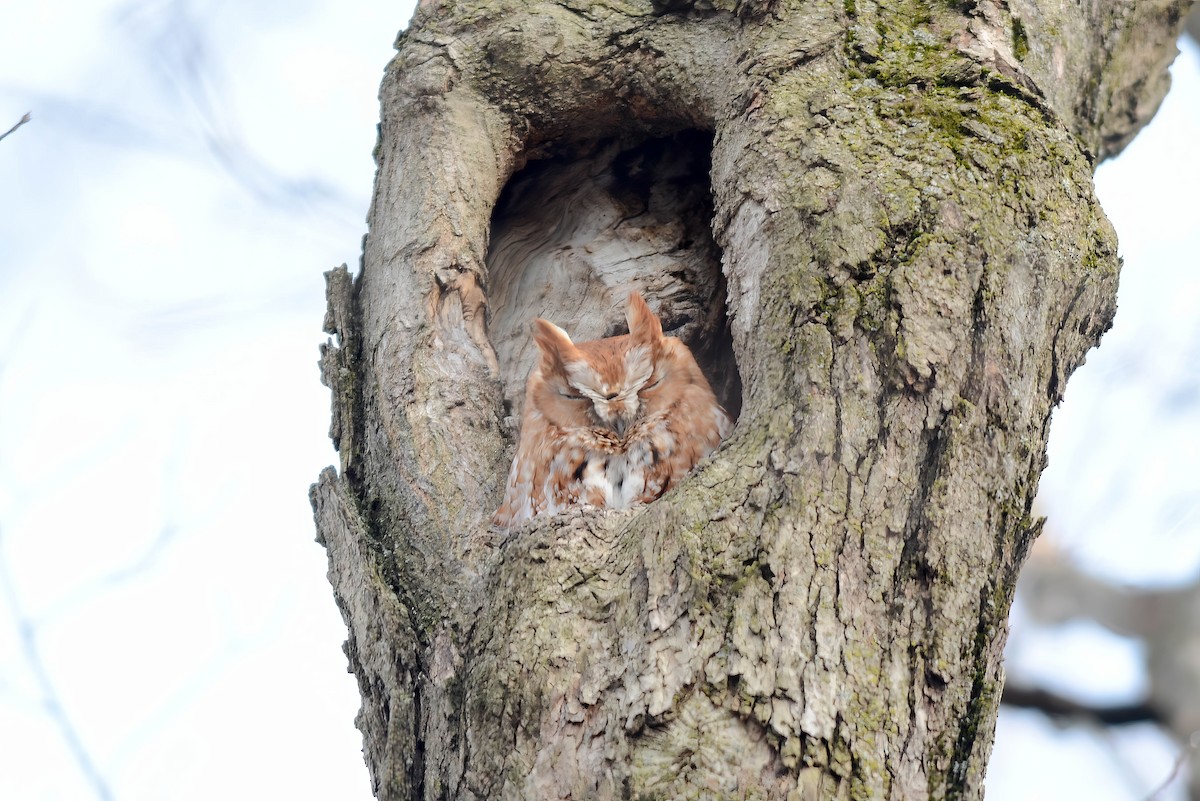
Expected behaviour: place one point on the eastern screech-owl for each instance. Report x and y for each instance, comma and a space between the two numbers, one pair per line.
610, 422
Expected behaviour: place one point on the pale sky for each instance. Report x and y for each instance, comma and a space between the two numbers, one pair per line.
189, 172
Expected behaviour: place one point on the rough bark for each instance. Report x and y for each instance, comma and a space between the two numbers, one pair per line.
901, 262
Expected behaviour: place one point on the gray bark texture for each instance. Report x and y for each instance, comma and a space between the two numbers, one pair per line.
875, 225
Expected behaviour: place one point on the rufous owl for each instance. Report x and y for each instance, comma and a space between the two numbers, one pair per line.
611, 422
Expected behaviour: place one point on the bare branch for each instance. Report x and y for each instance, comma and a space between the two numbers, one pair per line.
1185, 753
82, 594
24, 119
51, 701
1057, 706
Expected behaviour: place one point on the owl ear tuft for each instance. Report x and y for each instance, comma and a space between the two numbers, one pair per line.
644, 325
554, 343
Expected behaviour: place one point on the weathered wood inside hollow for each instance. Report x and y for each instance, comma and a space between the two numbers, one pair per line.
572, 236
914, 261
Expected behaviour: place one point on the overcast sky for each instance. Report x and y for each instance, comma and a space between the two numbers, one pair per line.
166, 629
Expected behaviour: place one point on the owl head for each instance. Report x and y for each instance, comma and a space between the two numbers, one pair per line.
603, 383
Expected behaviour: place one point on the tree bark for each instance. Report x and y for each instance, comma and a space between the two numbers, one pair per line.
900, 262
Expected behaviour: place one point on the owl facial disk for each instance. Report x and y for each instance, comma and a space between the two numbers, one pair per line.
614, 403
617, 411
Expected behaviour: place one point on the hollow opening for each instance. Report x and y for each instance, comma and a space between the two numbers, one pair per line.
573, 234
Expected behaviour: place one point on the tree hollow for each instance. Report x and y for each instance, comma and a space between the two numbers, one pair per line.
573, 234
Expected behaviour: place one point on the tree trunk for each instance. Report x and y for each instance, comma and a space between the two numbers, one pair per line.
875, 225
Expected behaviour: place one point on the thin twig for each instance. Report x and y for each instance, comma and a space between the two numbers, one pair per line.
50, 696
20, 122
1185, 753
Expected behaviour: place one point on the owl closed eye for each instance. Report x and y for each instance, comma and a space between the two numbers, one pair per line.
610, 422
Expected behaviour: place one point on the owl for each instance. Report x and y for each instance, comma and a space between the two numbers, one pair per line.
611, 422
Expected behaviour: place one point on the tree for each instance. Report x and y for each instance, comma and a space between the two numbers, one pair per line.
900, 263
1165, 622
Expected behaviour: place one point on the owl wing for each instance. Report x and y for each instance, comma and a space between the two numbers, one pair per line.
664, 447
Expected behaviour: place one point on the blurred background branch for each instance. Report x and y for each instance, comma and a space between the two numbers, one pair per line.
24, 119
50, 698
195, 169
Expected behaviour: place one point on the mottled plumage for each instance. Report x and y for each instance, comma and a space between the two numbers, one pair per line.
611, 422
